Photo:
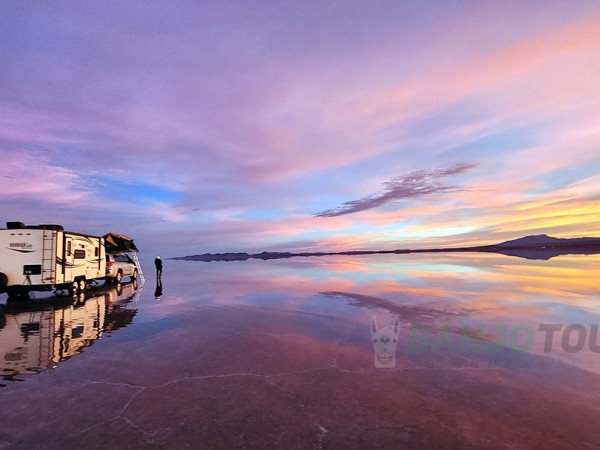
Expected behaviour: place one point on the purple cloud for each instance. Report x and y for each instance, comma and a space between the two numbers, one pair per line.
414, 184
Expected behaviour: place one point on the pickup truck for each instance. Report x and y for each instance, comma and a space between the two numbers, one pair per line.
120, 265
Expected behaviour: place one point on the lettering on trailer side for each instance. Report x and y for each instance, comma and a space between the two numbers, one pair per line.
22, 247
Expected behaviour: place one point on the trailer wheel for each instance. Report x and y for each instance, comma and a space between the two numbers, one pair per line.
119, 276
81, 285
3, 282
73, 287
135, 274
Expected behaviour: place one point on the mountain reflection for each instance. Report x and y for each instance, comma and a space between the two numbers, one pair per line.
37, 335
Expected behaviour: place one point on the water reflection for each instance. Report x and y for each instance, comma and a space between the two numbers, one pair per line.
158, 292
294, 340
482, 291
37, 335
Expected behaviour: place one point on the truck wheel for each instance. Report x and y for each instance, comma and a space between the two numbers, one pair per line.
119, 276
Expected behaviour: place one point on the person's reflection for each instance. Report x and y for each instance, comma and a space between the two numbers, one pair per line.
158, 292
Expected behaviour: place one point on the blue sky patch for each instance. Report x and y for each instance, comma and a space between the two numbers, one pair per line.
137, 191
565, 176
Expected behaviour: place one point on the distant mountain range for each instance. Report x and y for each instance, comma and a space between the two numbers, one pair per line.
543, 240
540, 246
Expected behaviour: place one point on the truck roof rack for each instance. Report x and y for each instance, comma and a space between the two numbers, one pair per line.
117, 243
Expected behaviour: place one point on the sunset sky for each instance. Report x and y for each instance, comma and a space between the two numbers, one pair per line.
207, 126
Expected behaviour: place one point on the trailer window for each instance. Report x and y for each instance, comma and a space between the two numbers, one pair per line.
79, 254
68, 248
96, 251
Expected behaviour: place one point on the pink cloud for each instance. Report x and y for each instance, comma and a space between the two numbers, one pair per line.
23, 176
260, 114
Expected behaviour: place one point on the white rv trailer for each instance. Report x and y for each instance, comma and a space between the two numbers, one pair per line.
45, 257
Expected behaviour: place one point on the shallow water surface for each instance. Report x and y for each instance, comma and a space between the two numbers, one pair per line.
445, 350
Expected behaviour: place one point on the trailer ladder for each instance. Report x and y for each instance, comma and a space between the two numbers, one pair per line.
49, 256
138, 265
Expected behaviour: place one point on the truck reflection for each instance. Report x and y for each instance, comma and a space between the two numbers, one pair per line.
36, 336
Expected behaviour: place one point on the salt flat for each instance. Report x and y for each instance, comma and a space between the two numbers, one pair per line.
280, 354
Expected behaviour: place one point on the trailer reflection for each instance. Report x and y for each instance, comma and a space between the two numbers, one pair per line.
35, 336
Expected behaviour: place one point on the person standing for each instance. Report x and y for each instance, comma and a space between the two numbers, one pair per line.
159, 265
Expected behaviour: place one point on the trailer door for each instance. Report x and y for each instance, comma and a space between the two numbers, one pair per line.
68, 259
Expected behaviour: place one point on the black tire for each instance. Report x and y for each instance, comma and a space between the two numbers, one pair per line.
119, 277
3, 282
81, 285
135, 275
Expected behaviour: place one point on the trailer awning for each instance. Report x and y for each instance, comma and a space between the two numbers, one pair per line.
116, 243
